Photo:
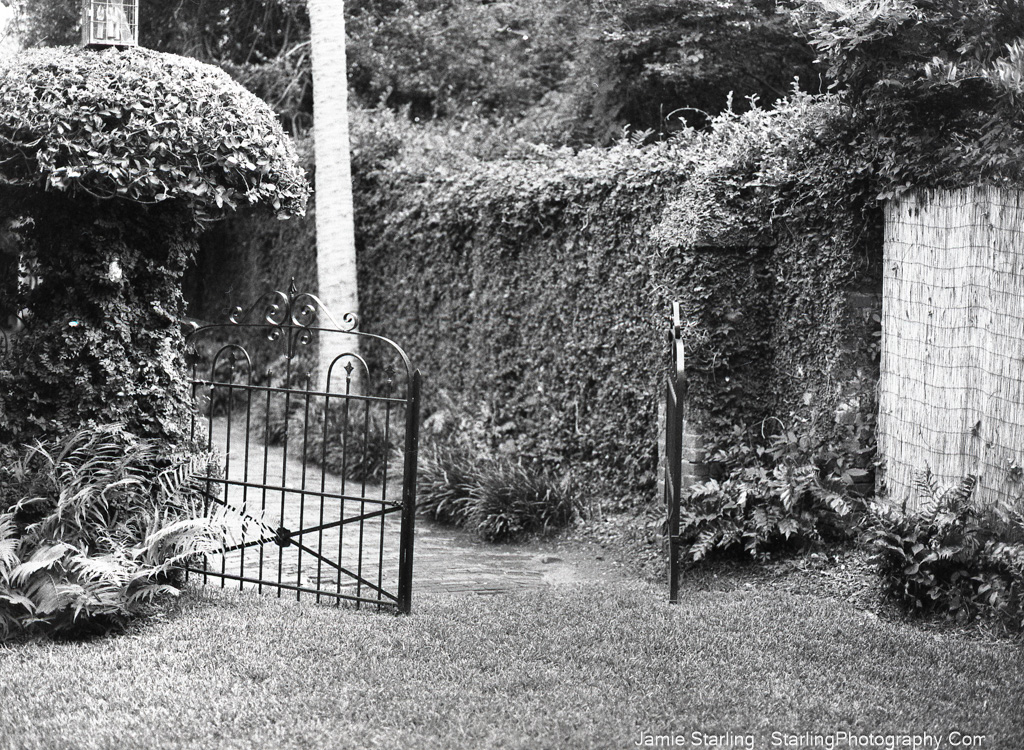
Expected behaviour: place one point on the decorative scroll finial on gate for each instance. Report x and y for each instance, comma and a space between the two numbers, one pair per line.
292, 309
293, 315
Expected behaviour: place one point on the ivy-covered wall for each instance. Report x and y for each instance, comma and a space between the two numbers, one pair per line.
536, 290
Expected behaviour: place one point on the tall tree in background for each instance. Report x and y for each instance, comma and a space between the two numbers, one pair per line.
335, 229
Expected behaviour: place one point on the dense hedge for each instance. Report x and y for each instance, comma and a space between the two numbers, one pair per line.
536, 288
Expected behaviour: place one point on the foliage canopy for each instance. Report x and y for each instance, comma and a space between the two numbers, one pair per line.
938, 85
568, 70
573, 70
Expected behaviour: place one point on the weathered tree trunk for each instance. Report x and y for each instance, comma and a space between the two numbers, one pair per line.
335, 230
102, 342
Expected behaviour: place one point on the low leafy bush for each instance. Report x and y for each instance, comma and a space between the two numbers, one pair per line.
93, 529
497, 497
512, 500
783, 493
948, 558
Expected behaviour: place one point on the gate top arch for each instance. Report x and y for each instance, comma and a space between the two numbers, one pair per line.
296, 319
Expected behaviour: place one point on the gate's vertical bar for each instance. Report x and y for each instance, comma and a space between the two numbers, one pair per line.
230, 385
672, 486
269, 378
302, 495
674, 425
346, 411
245, 473
323, 481
192, 428
409, 496
209, 449
384, 480
288, 390
362, 497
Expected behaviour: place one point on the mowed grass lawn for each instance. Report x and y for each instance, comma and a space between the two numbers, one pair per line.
560, 668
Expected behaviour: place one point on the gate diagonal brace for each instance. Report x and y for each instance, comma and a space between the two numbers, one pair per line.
346, 571
345, 521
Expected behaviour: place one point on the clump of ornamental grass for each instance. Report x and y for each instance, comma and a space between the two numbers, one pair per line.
497, 497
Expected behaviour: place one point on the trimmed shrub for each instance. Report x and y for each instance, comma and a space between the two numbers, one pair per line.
145, 127
109, 164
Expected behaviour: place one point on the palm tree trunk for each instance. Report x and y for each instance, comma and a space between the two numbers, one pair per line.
335, 230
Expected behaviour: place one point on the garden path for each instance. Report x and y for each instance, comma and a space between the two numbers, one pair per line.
445, 560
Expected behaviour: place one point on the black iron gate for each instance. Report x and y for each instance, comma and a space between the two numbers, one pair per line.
315, 474
675, 421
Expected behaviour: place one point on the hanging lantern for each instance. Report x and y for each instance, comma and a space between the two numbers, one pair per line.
110, 23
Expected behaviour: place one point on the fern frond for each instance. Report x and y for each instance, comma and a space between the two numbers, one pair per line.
101, 597
178, 481
12, 597
106, 516
9, 544
42, 558
959, 495
704, 544
188, 538
101, 569
51, 595
148, 593
835, 501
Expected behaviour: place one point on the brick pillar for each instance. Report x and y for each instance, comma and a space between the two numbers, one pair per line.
695, 468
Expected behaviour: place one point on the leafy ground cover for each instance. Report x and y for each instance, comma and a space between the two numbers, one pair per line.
558, 668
